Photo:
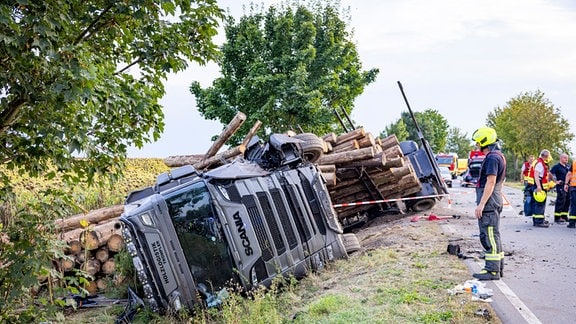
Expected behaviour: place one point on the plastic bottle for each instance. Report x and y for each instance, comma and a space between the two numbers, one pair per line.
474, 291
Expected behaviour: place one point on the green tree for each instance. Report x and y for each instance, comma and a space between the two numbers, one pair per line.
529, 123
289, 67
80, 81
83, 78
397, 128
458, 142
433, 125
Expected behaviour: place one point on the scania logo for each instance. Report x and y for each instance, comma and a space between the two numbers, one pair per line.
160, 261
242, 233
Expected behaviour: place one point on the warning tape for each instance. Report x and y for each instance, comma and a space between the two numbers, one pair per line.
370, 202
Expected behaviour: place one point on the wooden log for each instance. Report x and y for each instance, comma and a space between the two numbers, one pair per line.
109, 266
346, 146
348, 156
115, 243
327, 167
330, 178
251, 133
93, 217
394, 151
218, 158
102, 284
328, 147
74, 247
102, 254
89, 239
389, 141
354, 134
103, 232
181, 160
66, 263
379, 160
91, 287
230, 129
91, 266
330, 138
367, 140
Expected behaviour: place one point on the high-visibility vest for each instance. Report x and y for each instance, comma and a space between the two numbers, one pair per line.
526, 171
546, 185
573, 177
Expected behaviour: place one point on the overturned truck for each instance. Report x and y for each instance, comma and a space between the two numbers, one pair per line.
193, 233
268, 213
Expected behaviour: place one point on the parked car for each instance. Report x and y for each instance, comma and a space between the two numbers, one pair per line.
470, 178
446, 176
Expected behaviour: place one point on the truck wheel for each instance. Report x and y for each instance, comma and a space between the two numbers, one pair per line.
312, 146
423, 204
351, 243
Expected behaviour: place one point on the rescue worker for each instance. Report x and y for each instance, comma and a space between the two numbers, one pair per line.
539, 184
559, 171
489, 202
524, 179
570, 186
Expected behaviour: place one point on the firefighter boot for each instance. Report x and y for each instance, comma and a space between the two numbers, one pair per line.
572, 224
486, 275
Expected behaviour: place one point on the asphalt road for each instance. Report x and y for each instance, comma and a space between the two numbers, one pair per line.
539, 284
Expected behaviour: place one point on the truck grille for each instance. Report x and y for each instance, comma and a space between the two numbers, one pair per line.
259, 228
272, 224
284, 219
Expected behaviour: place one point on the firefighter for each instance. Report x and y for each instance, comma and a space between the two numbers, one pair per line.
562, 203
570, 186
539, 184
527, 211
489, 202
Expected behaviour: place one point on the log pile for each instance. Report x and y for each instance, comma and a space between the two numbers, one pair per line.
360, 167
93, 247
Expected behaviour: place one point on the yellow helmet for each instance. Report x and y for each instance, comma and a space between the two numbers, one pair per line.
548, 159
484, 136
539, 196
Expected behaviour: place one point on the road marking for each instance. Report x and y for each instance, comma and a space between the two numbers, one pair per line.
524, 311
516, 302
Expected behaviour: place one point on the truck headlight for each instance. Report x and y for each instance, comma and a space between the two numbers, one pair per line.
146, 219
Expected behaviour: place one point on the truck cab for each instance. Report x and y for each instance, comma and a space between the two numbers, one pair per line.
192, 234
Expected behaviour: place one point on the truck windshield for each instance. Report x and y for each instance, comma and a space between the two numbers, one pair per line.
200, 235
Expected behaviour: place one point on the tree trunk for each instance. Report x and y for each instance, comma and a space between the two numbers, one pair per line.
102, 254
230, 129
93, 217
218, 158
355, 134
109, 266
181, 160
349, 156
251, 133
115, 243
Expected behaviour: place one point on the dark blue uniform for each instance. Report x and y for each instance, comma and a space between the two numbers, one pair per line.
562, 203
489, 223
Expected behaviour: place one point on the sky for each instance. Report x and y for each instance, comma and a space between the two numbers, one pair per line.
463, 58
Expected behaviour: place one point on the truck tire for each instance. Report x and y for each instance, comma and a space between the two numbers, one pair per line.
351, 243
312, 146
423, 205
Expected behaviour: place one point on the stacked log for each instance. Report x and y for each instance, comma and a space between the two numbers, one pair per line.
360, 167
93, 240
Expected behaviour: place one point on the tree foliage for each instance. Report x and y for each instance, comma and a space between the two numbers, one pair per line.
529, 123
433, 125
83, 78
288, 67
398, 128
80, 81
458, 142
